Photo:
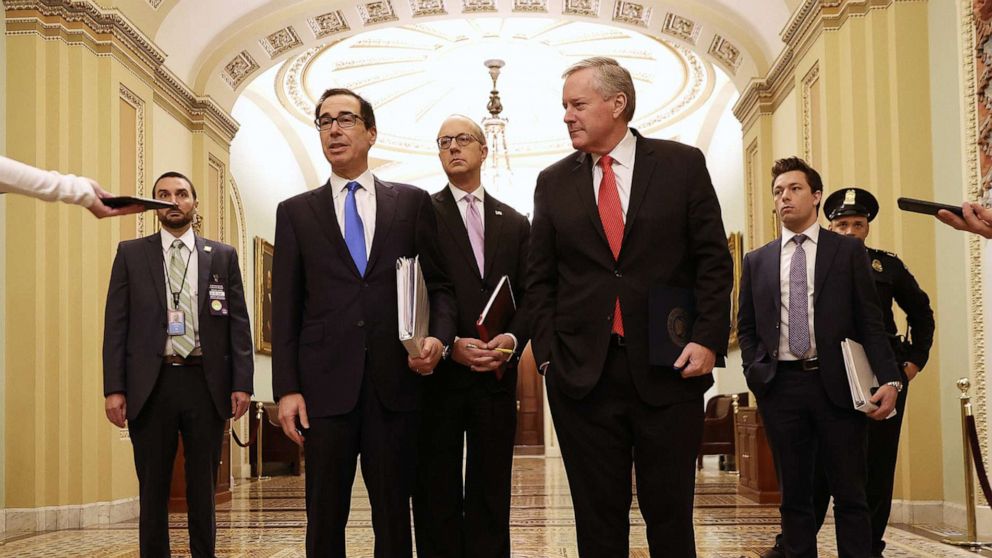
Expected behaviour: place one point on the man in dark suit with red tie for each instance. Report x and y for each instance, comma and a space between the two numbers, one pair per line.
344, 382
177, 361
473, 393
623, 216
801, 296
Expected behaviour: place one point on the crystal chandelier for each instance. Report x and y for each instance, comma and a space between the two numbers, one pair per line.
496, 173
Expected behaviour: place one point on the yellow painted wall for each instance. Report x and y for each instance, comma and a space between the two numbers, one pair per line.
859, 111
3, 259
71, 110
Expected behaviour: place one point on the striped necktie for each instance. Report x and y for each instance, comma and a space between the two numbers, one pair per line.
178, 260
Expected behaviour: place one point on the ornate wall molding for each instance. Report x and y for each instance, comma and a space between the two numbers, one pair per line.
281, 41
328, 24
681, 28
138, 104
809, 81
971, 51
632, 13
581, 7
238, 69
530, 6
762, 96
750, 162
376, 11
478, 6
107, 32
242, 240
423, 8
726, 52
221, 186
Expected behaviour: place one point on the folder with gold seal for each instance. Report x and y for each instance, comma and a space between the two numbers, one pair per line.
671, 315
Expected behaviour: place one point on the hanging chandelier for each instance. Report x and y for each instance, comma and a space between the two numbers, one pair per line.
496, 173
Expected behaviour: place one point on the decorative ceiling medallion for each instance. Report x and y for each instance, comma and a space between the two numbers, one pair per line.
532, 6
631, 12
725, 51
327, 24
680, 27
581, 7
477, 6
421, 8
239, 68
281, 41
377, 11
293, 82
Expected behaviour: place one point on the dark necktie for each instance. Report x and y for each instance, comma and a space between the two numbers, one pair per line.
799, 343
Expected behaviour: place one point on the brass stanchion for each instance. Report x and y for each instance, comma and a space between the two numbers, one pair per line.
260, 415
969, 540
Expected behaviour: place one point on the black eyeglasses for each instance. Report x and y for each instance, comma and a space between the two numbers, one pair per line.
345, 120
444, 142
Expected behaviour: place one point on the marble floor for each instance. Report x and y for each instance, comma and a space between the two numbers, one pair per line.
266, 520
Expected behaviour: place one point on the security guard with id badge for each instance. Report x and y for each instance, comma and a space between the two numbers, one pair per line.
850, 211
177, 361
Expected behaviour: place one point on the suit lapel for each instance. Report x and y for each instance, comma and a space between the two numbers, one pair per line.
771, 281
385, 211
582, 179
451, 218
156, 266
645, 162
493, 230
322, 204
826, 249
203, 259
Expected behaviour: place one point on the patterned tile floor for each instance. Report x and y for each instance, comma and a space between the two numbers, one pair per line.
266, 520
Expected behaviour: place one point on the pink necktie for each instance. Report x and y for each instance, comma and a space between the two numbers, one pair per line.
611, 213
476, 236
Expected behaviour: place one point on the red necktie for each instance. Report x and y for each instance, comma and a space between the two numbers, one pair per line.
611, 213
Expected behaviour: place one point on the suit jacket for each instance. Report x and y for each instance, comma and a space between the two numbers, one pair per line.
505, 253
135, 333
673, 236
844, 306
330, 325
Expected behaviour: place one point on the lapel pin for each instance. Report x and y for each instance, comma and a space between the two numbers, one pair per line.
497, 212
208, 248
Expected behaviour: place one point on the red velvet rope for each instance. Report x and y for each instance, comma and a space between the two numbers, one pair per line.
976, 453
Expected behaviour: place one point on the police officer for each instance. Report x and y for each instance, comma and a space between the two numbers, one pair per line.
850, 211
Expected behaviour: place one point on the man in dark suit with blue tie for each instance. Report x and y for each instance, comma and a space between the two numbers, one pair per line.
801, 296
344, 382
473, 394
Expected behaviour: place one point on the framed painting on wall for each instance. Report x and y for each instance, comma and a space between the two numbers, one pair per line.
263, 295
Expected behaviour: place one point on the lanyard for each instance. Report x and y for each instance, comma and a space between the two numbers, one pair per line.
175, 294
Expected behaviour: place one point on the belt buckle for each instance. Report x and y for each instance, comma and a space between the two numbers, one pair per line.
810, 364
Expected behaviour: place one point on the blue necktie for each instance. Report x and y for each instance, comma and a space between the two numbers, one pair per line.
354, 231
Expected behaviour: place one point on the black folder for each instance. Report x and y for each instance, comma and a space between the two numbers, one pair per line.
498, 312
671, 315
124, 201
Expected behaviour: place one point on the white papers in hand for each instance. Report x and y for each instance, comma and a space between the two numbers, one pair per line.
413, 305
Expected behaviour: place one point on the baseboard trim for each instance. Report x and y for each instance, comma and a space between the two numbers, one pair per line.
52, 518
937, 512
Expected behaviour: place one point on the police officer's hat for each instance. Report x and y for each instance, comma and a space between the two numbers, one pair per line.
850, 201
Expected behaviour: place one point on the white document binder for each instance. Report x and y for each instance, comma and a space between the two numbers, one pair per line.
413, 305
860, 376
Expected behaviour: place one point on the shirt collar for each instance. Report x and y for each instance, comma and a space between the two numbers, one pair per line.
366, 180
812, 234
623, 153
188, 238
459, 194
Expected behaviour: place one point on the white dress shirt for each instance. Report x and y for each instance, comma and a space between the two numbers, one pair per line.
623, 168
785, 268
364, 201
462, 203
192, 278
44, 185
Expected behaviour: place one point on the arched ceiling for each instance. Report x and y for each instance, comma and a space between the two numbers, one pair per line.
218, 47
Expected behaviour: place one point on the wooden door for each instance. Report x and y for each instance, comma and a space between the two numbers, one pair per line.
530, 403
